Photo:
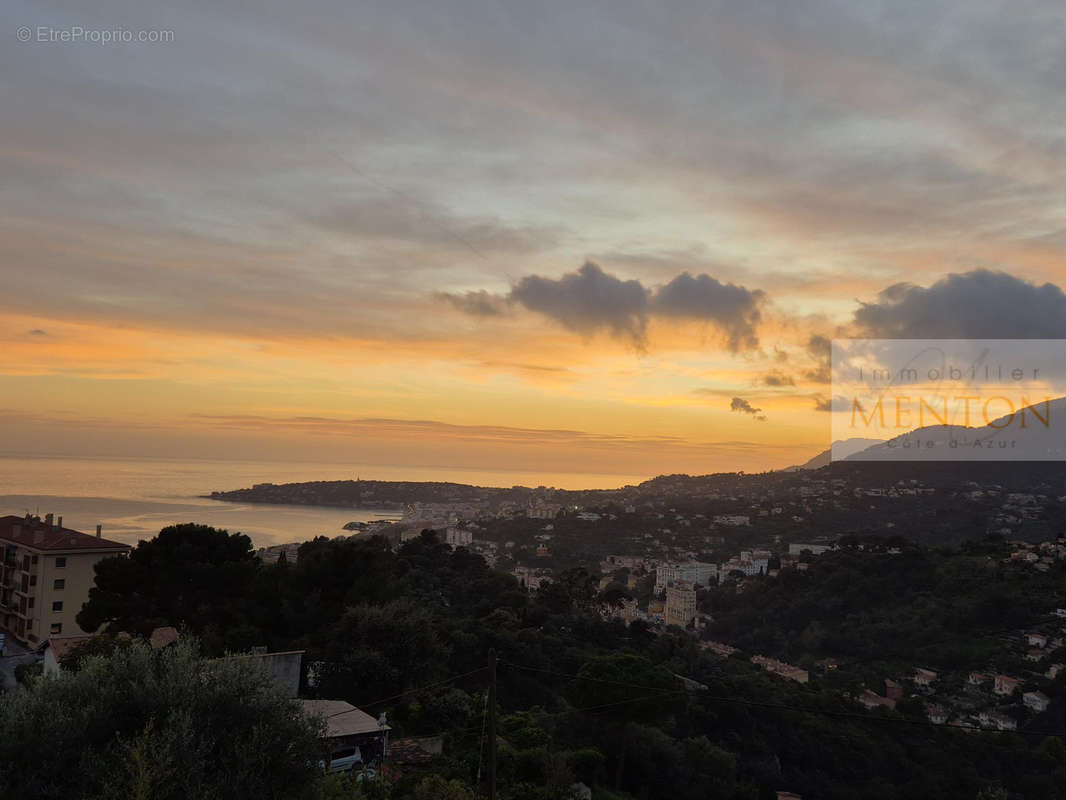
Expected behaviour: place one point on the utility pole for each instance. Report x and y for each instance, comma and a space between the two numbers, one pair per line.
492, 724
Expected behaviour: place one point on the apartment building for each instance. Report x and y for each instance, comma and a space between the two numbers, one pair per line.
458, 537
680, 603
695, 572
46, 572
665, 574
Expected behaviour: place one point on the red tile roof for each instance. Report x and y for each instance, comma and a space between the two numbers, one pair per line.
161, 637
61, 645
408, 751
38, 535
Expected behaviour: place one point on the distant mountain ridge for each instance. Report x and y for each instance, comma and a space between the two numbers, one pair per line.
1005, 436
1035, 433
837, 451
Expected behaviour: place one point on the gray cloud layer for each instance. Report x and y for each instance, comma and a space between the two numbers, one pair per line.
476, 303
245, 172
587, 300
733, 308
777, 378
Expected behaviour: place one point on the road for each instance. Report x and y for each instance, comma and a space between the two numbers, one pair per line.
13, 655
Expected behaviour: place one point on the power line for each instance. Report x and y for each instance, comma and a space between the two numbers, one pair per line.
492, 723
427, 687
481, 743
586, 678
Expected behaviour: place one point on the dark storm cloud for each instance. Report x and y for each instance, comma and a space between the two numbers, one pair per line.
980, 305
734, 309
587, 300
592, 299
742, 405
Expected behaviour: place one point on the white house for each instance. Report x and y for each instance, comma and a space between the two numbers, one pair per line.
924, 677
1005, 686
1036, 639
1036, 701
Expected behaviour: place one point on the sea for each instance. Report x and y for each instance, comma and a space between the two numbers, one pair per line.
134, 498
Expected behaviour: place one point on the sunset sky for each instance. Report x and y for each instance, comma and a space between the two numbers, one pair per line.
561, 237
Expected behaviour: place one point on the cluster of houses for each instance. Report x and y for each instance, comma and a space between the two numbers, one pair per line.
678, 581
677, 609
748, 562
1039, 556
532, 578
776, 667
441, 514
290, 552
771, 665
987, 699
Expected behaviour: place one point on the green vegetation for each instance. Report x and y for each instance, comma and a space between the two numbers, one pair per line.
164, 725
589, 700
945, 609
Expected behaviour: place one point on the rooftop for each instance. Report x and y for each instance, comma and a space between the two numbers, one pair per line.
342, 719
37, 534
408, 751
61, 645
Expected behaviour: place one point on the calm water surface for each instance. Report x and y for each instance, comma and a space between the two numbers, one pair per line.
134, 498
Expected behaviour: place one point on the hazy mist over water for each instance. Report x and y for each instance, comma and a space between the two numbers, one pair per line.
134, 498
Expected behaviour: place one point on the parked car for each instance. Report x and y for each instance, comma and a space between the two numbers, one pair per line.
344, 759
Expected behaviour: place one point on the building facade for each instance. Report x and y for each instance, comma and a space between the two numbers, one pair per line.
46, 572
665, 574
680, 604
458, 537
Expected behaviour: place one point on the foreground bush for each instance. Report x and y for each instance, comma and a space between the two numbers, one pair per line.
164, 725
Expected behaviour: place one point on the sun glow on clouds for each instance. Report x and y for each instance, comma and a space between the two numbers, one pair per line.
272, 230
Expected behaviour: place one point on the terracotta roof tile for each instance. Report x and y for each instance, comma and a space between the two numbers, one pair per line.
408, 751
39, 535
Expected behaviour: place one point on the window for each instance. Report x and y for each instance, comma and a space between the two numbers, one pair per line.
33, 580
57, 605
61, 561
57, 627
59, 583
33, 559
31, 602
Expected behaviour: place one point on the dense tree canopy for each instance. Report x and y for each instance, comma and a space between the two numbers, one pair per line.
188, 575
583, 698
165, 725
